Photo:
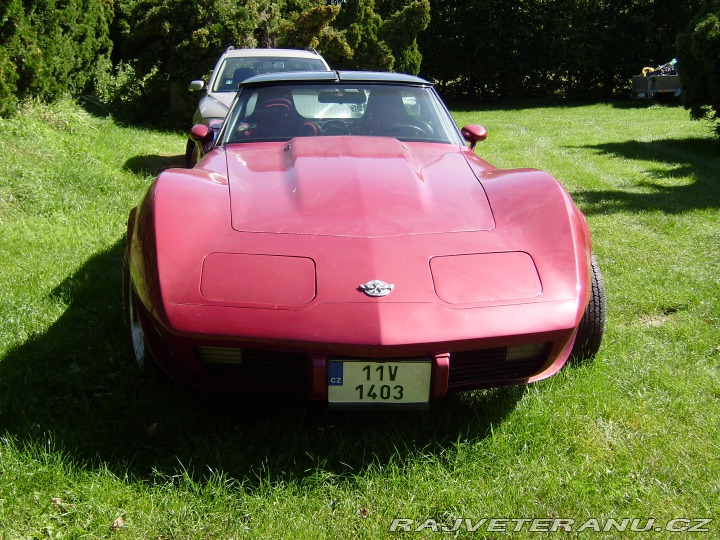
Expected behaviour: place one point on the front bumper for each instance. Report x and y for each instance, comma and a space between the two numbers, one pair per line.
284, 365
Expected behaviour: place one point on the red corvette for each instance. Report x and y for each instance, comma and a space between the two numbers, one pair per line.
340, 240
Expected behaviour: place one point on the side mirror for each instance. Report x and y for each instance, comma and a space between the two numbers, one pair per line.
201, 133
196, 85
474, 133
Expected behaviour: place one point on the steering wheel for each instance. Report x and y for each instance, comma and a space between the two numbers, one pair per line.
335, 127
416, 129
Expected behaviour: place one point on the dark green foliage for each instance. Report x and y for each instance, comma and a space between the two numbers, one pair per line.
361, 25
167, 43
586, 49
175, 37
312, 28
164, 44
305, 28
11, 16
699, 64
400, 31
479, 49
50, 47
382, 37
334, 47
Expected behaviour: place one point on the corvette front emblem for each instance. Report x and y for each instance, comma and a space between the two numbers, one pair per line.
376, 288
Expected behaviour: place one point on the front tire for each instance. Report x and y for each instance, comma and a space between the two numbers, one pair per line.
190, 154
592, 325
138, 352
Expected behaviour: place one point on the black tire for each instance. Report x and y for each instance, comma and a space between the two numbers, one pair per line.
190, 154
592, 325
138, 352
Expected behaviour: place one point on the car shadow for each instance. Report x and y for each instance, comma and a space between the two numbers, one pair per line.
522, 104
663, 100
72, 390
669, 163
514, 104
152, 165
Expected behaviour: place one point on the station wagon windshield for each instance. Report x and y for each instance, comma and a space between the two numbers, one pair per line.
235, 70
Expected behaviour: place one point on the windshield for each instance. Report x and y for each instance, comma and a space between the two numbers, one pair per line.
235, 70
276, 113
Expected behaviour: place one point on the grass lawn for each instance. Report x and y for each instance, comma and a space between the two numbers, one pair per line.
88, 451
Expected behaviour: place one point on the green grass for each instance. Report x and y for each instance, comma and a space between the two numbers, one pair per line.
87, 451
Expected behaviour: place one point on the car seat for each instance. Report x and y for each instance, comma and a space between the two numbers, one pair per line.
240, 74
277, 117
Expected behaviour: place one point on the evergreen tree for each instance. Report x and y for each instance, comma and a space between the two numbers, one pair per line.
400, 31
305, 29
385, 43
699, 64
361, 25
50, 47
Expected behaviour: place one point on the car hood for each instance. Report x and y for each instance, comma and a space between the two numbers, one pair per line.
354, 186
215, 105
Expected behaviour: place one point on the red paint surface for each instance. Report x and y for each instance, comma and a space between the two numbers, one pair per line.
265, 245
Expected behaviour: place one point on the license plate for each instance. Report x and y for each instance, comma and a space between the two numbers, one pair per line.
363, 382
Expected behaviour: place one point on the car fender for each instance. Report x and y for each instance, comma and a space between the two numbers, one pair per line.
182, 206
533, 208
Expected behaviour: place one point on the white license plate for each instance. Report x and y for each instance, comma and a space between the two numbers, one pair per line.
368, 382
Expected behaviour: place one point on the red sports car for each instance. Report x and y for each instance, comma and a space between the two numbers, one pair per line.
340, 240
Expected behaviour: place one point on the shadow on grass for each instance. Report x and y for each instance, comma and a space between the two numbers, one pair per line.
138, 113
666, 100
152, 165
668, 161
510, 104
557, 103
72, 385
